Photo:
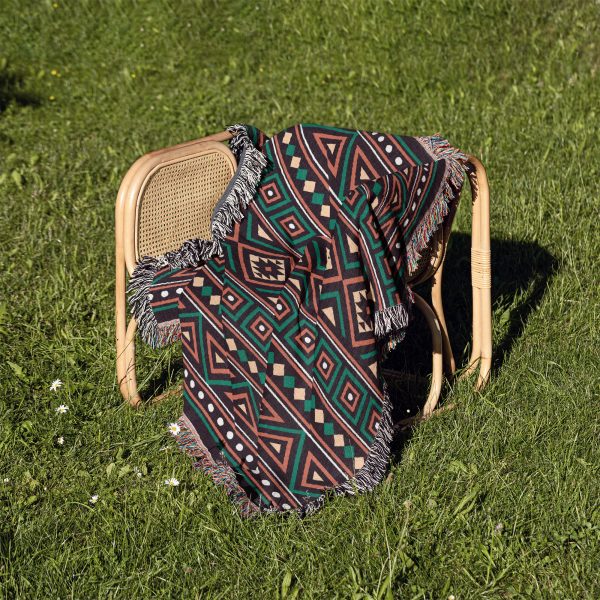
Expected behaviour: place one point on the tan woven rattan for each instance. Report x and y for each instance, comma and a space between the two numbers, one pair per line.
175, 202
168, 197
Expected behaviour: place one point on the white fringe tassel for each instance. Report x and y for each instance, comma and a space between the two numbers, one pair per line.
193, 253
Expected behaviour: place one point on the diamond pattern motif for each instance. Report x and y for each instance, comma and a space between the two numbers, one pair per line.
280, 357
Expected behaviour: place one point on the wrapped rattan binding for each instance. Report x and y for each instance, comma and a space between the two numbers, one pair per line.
481, 270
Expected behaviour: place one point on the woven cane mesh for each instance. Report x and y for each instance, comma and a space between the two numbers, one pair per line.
177, 203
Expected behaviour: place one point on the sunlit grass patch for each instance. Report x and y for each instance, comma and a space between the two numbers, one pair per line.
497, 498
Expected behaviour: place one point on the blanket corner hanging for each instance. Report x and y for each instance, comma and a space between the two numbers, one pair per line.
287, 311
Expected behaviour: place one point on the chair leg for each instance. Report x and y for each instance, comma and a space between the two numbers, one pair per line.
437, 374
476, 335
438, 307
476, 296
126, 376
133, 396
125, 334
483, 278
121, 360
481, 355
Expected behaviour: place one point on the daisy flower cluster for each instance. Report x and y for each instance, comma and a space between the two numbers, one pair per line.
61, 409
54, 387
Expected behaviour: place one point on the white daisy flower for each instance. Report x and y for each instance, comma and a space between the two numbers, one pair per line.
172, 482
62, 409
57, 383
60, 440
6, 480
93, 499
174, 428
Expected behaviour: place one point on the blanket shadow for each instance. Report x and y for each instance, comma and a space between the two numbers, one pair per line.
521, 272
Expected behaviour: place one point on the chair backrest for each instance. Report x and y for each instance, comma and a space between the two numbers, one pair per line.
168, 197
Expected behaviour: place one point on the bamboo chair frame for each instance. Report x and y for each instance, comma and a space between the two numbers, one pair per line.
127, 217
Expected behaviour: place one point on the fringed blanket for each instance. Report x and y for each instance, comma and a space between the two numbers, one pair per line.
286, 313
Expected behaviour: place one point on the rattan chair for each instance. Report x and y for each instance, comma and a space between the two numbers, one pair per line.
168, 196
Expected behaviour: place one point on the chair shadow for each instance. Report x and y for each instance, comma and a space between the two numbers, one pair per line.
521, 272
166, 383
12, 89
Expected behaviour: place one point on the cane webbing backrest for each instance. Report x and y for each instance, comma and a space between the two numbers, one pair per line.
177, 201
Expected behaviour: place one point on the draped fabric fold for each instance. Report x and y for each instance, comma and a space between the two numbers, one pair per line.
286, 313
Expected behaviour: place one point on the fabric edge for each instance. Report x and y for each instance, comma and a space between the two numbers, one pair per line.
371, 473
192, 252
439, 149
364, 480
391, 319
138, 292
220, 472
392, 323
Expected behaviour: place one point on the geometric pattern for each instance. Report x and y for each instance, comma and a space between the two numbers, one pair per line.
281, 375
267, 268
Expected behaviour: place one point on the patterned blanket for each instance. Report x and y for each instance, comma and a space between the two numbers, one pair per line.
287, 312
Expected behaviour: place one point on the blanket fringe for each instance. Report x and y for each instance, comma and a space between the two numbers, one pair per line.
439, 149
364, 480
375, 467
390, 320
219, 471
192, 253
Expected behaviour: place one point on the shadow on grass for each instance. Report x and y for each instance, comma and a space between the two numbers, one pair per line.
520, 275
166, 384
521, 272
12, 90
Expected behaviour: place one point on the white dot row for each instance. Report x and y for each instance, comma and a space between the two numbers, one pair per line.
388, 149
165, 293
229, 435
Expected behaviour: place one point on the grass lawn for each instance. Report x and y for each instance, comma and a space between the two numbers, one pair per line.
498, 498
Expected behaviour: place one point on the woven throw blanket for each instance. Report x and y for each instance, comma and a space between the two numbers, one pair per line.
287, 312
